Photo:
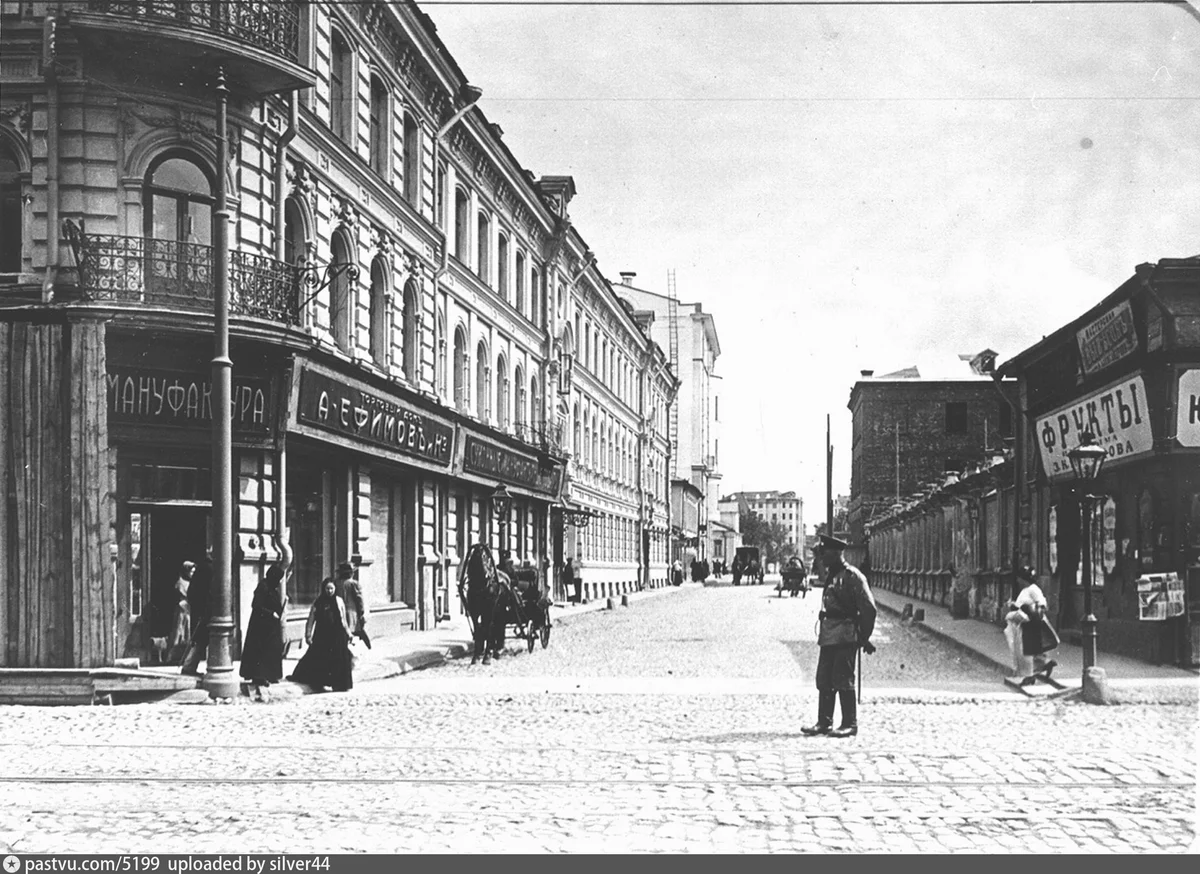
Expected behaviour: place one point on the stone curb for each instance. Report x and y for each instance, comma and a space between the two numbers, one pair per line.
959, 645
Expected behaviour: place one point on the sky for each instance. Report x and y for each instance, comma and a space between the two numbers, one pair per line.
852, 187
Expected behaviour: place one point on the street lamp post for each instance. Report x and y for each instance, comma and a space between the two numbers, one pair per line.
501, 504
1086, 460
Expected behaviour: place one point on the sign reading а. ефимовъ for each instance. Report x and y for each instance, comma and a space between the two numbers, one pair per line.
488, 459
343, 409
1117, 416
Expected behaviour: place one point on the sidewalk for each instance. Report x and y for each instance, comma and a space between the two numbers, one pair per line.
410, 651
1130, 680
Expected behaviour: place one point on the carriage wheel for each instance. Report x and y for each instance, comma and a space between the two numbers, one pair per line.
530, 638
545, 633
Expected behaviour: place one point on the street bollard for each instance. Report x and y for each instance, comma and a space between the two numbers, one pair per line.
906, 613
1095, 686
610, 604
919, 614
624, 600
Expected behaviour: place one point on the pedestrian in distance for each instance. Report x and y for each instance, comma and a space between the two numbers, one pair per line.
350, 591
262, 651
1038, 636
571, 579
199, 592
326, 660
181, 618
847, 620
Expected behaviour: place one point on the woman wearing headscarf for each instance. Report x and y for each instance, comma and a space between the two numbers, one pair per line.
326, 661
1027, 615
181, 619
262, 652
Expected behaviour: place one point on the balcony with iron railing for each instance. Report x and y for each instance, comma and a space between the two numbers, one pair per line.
543, 436
170, 274
256, 41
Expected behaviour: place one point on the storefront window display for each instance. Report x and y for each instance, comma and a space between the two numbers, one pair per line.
311, 513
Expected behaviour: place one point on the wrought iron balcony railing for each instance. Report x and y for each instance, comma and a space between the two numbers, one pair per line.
180, 275
547, 437
273, 25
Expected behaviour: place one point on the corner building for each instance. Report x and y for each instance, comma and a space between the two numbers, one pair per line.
405, 307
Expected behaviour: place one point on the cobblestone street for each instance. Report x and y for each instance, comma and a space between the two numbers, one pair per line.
672, 725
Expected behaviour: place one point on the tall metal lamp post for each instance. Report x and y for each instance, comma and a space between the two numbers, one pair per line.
1086, 460
501, 504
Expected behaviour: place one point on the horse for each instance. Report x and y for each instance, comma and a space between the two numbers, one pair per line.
795, 578
490, 599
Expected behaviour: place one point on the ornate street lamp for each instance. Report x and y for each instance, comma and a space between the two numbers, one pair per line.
501, 504
1086, 460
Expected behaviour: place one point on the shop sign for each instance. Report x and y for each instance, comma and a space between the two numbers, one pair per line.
1052, 526
1108, 339
1117, 416
496, 462
1187, 406
334, 406
1109, 515
162, 397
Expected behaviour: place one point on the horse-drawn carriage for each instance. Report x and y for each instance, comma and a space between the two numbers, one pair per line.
795, 577
747, 564
498, 600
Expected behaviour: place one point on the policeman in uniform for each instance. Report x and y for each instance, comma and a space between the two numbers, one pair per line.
847, 619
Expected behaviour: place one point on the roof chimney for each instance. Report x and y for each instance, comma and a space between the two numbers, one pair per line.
627, 277
867, 373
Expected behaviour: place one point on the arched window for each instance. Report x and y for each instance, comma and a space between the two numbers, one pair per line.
295, 240
483, 407
339, 297
595, 459
460, 370
462, 225
412, 341
519, 405
12, 226
439, 355
177, 214
380, 315
535, 405
575, 432
519, 303
341, 88
483, 265
380, 126
502, 266
501, 393
412, 159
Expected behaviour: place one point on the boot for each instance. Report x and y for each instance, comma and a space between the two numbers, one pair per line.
825, 702
849, 726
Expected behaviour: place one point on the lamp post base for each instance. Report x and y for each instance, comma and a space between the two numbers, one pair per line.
221, 684
1088, 627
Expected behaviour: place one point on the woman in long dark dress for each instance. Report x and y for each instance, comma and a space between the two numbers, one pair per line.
262, 652
326, 662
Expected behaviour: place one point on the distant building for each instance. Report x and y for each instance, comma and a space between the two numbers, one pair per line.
914, 427
783, 507
689, 336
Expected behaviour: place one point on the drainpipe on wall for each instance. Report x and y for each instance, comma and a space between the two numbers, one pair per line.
49, 64
285, 139
1019, 497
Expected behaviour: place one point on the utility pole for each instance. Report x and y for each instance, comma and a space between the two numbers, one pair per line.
828, 479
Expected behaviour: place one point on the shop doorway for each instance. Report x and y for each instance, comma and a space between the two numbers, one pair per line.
173, 535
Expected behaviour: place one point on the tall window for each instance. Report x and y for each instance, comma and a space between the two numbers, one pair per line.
502, 266
11, 224
295, 244
379, 126
412, 341
460, 370
412, 160
483, 265
483, 385
501, 393
341, 88
519, 400
575, 432
380, 317
339, 298
462, 225
439, 195
519, 303
535, 405
439, 355
177, 209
